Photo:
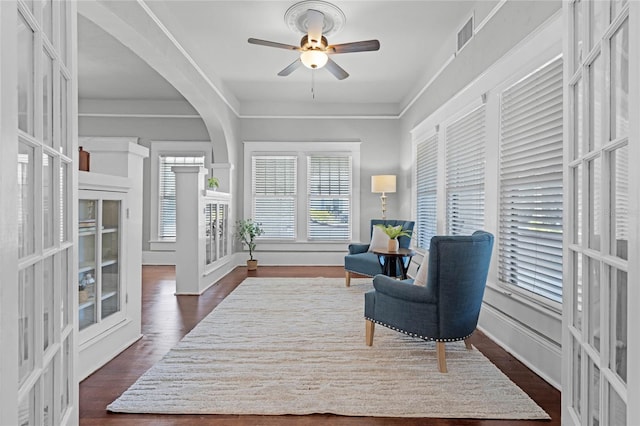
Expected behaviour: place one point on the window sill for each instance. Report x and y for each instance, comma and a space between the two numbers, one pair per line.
162, 245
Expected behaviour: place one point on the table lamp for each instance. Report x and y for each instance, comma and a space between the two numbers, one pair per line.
383, 184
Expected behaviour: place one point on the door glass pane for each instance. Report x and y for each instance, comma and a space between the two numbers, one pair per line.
620, 202
617, 409
47, 301
26, 200
618, 322
579, 202
27, 409
620, 82
593, 311
26, 331
576, 388
594, 395
87, 262
65, 302
577, 34
47, 99
63, 32
46, 17
578, 142
596, 98
48, 394
616, 7
578, 293
597, 18
64, 233
64, 133
25, 76
595, 204
48, 182
110, 277
65, 382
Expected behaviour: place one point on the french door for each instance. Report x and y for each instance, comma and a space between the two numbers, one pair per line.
601, 238
37, 331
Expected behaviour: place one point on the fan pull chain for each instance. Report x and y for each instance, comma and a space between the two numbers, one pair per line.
313, 84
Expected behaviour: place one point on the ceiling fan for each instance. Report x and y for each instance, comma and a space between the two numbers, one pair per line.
315, 49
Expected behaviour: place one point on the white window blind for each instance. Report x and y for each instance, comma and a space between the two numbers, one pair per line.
426, 189
329, 197
465, 141
167, 188
531, 183
274, 195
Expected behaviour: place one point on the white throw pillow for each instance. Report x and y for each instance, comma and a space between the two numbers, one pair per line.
421, 276
379, 240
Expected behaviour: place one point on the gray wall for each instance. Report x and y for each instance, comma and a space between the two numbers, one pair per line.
147, 129
380, 153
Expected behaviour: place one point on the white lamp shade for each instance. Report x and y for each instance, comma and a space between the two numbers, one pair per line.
314, 59
383, 183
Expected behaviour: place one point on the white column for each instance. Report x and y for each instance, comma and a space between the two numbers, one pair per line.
189, 228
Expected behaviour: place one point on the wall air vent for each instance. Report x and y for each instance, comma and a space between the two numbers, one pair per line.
464, 34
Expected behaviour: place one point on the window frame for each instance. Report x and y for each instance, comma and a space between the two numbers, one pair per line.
303, 150
505, 200
164, 148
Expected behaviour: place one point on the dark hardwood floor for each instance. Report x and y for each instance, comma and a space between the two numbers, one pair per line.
166, 318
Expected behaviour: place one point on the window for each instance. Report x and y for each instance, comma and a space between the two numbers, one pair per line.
530, 254
426, 190
329, 200
465, 142
303, 192
167, 191
274, 195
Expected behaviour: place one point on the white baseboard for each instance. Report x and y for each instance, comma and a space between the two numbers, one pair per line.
294, 258
537, 353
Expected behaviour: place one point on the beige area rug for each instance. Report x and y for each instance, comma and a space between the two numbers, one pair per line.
296, 346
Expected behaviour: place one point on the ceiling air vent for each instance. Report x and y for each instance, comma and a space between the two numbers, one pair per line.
465, 34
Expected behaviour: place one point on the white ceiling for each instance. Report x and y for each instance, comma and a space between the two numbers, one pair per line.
415, 36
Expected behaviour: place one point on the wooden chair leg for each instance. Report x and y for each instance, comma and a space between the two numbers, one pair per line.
347, 278
442, 357
369, 329
467, 344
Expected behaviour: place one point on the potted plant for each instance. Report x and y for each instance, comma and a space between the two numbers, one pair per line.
213, 183
246, 232
394, 232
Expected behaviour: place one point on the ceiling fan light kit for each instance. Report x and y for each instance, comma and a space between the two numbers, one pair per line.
317, 19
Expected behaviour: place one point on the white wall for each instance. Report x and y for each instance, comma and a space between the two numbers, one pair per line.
498, 53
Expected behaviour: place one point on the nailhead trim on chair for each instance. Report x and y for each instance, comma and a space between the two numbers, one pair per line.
415, 335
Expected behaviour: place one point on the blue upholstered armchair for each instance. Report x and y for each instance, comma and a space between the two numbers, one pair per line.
363, 262
447, 308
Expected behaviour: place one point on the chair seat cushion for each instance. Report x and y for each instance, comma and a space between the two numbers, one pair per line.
363, 263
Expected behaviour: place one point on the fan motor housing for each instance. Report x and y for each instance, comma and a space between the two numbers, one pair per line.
305, 44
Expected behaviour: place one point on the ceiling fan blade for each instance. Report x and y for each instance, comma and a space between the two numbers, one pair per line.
336, 70
272, 44
356, 46
315, 23
290, 68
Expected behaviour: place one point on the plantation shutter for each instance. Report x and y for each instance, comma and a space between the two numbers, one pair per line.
465, 141
329, 197
530, 254
426, 180
167, 218
274, 195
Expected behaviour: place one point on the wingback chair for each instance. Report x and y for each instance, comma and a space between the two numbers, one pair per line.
361, 261
444, 310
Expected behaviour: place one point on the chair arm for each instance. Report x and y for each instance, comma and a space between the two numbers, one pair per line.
358, 248
403, 290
